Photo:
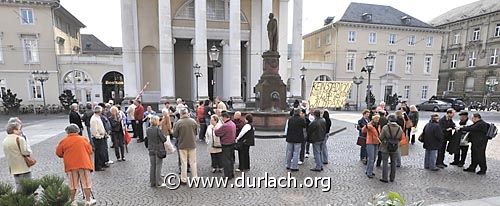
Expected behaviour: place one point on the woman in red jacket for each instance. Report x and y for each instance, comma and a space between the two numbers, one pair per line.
372, 131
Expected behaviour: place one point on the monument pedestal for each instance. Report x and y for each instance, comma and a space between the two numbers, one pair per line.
271, 91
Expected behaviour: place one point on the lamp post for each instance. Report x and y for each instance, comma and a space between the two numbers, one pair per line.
41, 76
369, 60
213, 54
303, 82
197, 74
491, 84
357, 80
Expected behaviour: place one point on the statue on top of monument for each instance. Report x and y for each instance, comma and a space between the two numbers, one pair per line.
272, 32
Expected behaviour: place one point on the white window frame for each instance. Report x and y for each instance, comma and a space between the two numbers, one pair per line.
31, 53
35, 90
351, 36
21, 15
451, 85
409, 64
494, 56
430, 41
497, 30
391, 63
407, 92
476, 34
471, 82
425, 90
454, 61
412, 40
350, 61
372, 38
456, 38
472, 59
392, 39
427, 64
3, 87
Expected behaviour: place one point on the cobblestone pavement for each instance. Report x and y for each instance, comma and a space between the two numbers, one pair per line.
127, 183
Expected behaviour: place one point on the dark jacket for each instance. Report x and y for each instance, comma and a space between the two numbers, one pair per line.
391, 132
155, 140
383, 121
239, 125
477, 131
116, 125
362, 123
316, 130
328, 125
74, 118
445, 124
295, 129
248, 138
414, 118
433, 136
86, 117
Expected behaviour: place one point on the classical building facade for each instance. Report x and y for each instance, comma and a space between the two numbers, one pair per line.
26, 45
407, 52
470, 55
164, 39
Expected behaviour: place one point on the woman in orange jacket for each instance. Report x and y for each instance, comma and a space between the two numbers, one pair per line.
372, 130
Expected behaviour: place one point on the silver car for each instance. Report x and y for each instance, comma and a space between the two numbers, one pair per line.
434, 105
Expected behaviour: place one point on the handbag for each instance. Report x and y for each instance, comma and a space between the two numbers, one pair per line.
30, 161
361, 141
215, 140
169, 147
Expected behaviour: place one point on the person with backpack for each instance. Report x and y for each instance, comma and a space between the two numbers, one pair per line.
389, 145
478, 137
432, 136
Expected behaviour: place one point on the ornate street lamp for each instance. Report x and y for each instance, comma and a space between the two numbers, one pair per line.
214, 53
197, 74
357, 80
370, 61
303, 82
41, 76
491, 84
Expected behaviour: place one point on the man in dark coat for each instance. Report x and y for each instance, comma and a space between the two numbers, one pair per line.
461, 148
74, 117
477, 136
305, 144
86, 119
447, 126
294, 138
382, 121
362, 123
433, 137
316, 136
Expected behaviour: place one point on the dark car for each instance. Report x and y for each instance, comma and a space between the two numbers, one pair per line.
434, 105
456, 103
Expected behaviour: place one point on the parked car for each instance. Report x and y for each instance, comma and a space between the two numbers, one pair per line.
456, 103
434, 105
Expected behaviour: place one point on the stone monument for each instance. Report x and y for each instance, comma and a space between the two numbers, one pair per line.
271, 91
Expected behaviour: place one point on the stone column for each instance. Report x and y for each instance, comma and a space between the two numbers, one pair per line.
255, 47
235, 53
283, 39
295, 87
267, 7
200, 48
129, 60
225, 83
167, 72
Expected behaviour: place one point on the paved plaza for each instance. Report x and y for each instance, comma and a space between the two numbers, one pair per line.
127, 183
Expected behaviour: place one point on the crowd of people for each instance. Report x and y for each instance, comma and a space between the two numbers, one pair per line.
382, 137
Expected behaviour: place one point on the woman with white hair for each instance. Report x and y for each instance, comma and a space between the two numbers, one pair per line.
156, 152
413, 115
15, 148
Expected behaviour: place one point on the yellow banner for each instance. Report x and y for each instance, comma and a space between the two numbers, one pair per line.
328, 94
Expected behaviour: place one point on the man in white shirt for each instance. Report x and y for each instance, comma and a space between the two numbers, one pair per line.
99, 134
220, 104
130, 115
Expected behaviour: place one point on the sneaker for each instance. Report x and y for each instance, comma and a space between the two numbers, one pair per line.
123, 159
307, 155
119, 160
237, 170
481, 172
300, 162
91, 202
110, 162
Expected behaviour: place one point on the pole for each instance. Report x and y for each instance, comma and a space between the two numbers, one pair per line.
43, 94
357, 97
368, 101
197, 94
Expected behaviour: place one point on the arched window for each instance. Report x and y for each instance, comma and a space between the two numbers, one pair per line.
77, 77
217, 10
323, 78
80, 84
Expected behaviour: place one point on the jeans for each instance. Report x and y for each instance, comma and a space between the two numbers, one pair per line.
461, 155
155, 170
372, 151
362, 152
430, 159
292, 155
228, 160
303, 150
325, 150
17, 180
244, 157
216, 160
385, 165
203, 130
317, 154
188, 155
398, 159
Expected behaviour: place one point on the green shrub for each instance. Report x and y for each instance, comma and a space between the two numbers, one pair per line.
17, 199
56, 195
5, 189
49, 180
29, 186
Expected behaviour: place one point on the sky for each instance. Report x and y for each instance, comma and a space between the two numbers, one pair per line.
103, 17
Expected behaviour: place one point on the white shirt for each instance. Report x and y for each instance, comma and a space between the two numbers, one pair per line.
97, 127
244, 130
131, 111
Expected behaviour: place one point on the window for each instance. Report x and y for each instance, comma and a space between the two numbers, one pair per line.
27, 16
476, 34
412, 40
3, 87
319, 42
1, 48
409, 63
35, 89
323, 78
453, 62
427, 64
216, 10
392, 39
351, 60
497, 30
424, 92
469, 84
456, 38
372, 38
430, 41
472, 59
451, 85
407, 92
390, 63
351, 36
494, 57
30, 45
328, 38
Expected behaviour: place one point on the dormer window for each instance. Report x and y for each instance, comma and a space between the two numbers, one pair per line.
406, 20
367, 17
88, 45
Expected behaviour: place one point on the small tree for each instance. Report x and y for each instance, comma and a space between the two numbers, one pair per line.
66, 99
11, 102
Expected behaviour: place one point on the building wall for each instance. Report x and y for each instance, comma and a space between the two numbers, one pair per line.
320, 45
69, 42
483, 49
13, 68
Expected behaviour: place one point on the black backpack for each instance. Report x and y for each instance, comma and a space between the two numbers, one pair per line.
392, 142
